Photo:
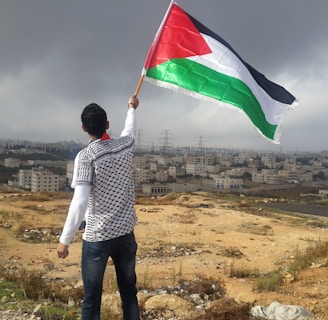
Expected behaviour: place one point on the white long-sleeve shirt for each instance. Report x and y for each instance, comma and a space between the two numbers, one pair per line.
104, 193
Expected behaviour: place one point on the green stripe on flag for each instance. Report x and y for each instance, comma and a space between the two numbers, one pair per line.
198, 78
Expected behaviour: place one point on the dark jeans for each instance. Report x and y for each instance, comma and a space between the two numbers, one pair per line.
95, 255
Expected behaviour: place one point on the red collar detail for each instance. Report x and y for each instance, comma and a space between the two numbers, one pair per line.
105, 136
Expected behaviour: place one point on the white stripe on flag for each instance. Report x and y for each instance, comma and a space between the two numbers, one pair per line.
224, 61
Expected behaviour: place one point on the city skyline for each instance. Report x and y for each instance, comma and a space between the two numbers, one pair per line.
198, 147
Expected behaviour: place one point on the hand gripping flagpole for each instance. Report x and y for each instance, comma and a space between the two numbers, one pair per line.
152, 49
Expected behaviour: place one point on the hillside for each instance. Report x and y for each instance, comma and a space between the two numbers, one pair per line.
181, 237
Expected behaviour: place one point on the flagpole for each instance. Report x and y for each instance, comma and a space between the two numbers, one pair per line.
144, 70
139, 84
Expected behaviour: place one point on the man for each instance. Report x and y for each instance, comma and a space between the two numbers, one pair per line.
104, 198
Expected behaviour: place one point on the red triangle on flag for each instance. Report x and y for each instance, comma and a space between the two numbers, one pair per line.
179, 39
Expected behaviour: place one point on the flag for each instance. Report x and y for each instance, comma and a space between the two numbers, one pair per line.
188, 57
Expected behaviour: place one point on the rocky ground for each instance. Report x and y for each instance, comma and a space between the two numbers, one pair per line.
17, 315
183, 239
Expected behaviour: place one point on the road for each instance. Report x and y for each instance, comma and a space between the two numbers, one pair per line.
301, 208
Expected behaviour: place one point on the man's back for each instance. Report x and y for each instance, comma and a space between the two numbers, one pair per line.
107, 166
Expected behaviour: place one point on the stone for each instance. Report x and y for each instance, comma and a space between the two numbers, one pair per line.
176, 304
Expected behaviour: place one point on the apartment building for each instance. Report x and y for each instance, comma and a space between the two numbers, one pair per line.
140, 162
236, 172
154, 189
195, 169
244, 157
268, 160
45, 180
25, 179
172, 171
257, 177
228, 183
12, 163
140, 175
153, 165
323, 193
69, 171
184, 187
273, 178
161, 189
161, 176
212, 168
201, 160
48, 163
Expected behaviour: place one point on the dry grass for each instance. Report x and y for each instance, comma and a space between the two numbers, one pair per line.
34, 285
315, 252
271, 281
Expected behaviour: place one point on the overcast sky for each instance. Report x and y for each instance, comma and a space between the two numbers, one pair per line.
56, 56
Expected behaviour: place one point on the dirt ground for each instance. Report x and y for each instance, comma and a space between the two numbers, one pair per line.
181, 237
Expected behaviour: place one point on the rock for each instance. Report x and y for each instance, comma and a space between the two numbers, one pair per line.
288, 278
196, 298
49, 266
178, 306
36, 309
70, 302
277, 311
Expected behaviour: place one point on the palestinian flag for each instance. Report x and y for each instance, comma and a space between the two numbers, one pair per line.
188, 57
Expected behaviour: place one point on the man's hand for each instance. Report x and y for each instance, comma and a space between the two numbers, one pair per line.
133, 102
62, 250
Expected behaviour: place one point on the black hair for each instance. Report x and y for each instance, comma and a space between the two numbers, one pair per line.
94, 120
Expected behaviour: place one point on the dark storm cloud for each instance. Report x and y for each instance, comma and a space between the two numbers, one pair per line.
57, 56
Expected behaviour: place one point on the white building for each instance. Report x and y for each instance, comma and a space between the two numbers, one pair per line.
48, 163
236, 172
161, 176
195, 169
45, 180
12, 163
152, 189
268, 160
153, 166
228, 183
172, 171
69, 171
209, 184
140, 162
140, 175
257, 177
183, 187
323, 193
25, 179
